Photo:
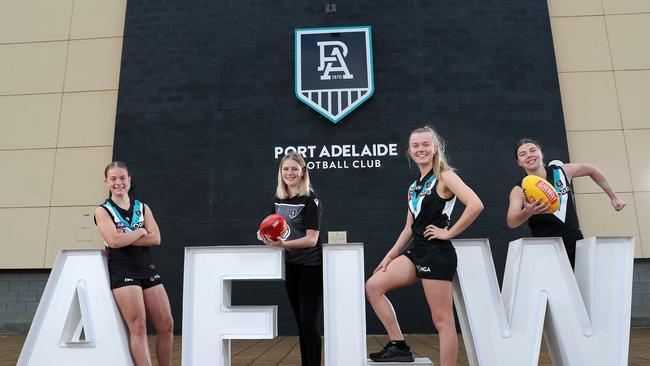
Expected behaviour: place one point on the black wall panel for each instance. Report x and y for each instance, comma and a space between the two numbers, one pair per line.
207, 92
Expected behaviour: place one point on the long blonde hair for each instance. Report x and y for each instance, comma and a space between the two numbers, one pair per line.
282, 190
440, 163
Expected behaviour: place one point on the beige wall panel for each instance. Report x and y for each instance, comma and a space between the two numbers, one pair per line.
638, 150
98, 18
88, 119
79, 176
589, 101
93, 64
23, 237
626, 6
26, 177
32, 68
34, 20
642, 200
581, 44
605, 149
629, 38
634, 97
574, 7
71, 228
598, 218
29, 121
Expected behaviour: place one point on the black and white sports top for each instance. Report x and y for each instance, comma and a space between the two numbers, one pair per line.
301, 213
427, 207
565, 219
134, 259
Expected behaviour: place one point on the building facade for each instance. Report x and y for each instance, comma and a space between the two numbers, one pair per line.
198, 96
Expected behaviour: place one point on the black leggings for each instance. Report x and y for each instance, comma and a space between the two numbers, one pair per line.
305, 289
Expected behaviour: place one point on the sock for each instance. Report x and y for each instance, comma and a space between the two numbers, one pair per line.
400, 344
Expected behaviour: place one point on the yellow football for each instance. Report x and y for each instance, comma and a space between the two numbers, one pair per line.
537, 187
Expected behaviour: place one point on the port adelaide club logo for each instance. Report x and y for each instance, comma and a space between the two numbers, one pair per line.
334, 69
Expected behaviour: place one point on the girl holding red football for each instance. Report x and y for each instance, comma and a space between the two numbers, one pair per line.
564, 221
129, 229
431, 257
298, 204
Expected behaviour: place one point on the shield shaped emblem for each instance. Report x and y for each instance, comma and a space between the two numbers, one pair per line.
334, 69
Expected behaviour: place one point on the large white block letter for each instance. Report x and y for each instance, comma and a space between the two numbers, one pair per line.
585, 318
344, 304
77, 321
209, 321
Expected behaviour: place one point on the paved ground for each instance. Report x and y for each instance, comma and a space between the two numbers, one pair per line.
284, 350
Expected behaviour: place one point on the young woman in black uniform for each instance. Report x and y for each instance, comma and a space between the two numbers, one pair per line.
299, 205
431, 257
129, 229
563, 222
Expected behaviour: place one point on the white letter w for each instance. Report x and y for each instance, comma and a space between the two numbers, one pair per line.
585, 318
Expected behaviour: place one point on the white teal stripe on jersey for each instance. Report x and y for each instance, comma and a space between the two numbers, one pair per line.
415, 203
137, 208
449, 207
558, 176
117, 218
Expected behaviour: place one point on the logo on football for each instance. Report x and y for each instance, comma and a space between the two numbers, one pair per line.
275, 227
537, 187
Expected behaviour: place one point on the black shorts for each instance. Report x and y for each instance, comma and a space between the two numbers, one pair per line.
121, 277
433, 260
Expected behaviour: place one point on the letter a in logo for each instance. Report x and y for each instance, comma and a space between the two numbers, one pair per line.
327, 62
334, 69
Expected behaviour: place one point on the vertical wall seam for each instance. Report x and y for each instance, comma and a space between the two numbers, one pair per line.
58, 133
620, 116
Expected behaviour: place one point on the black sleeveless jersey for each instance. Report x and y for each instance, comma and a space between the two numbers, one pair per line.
427, 207
133, 260
563, 221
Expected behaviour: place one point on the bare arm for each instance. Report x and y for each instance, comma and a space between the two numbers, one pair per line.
520, 210
150, 224
574, 170
109, 233
452, 183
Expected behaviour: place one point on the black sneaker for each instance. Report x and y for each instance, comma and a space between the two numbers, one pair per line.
392, 353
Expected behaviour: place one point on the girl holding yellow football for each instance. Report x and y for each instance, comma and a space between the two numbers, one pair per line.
564, 221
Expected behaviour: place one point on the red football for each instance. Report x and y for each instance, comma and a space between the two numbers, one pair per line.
274, 226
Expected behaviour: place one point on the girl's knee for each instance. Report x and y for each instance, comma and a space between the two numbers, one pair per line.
443, 321
166, 325
374, 289
137, 326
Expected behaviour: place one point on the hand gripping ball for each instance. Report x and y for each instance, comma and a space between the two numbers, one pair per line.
274, 226
537, 187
